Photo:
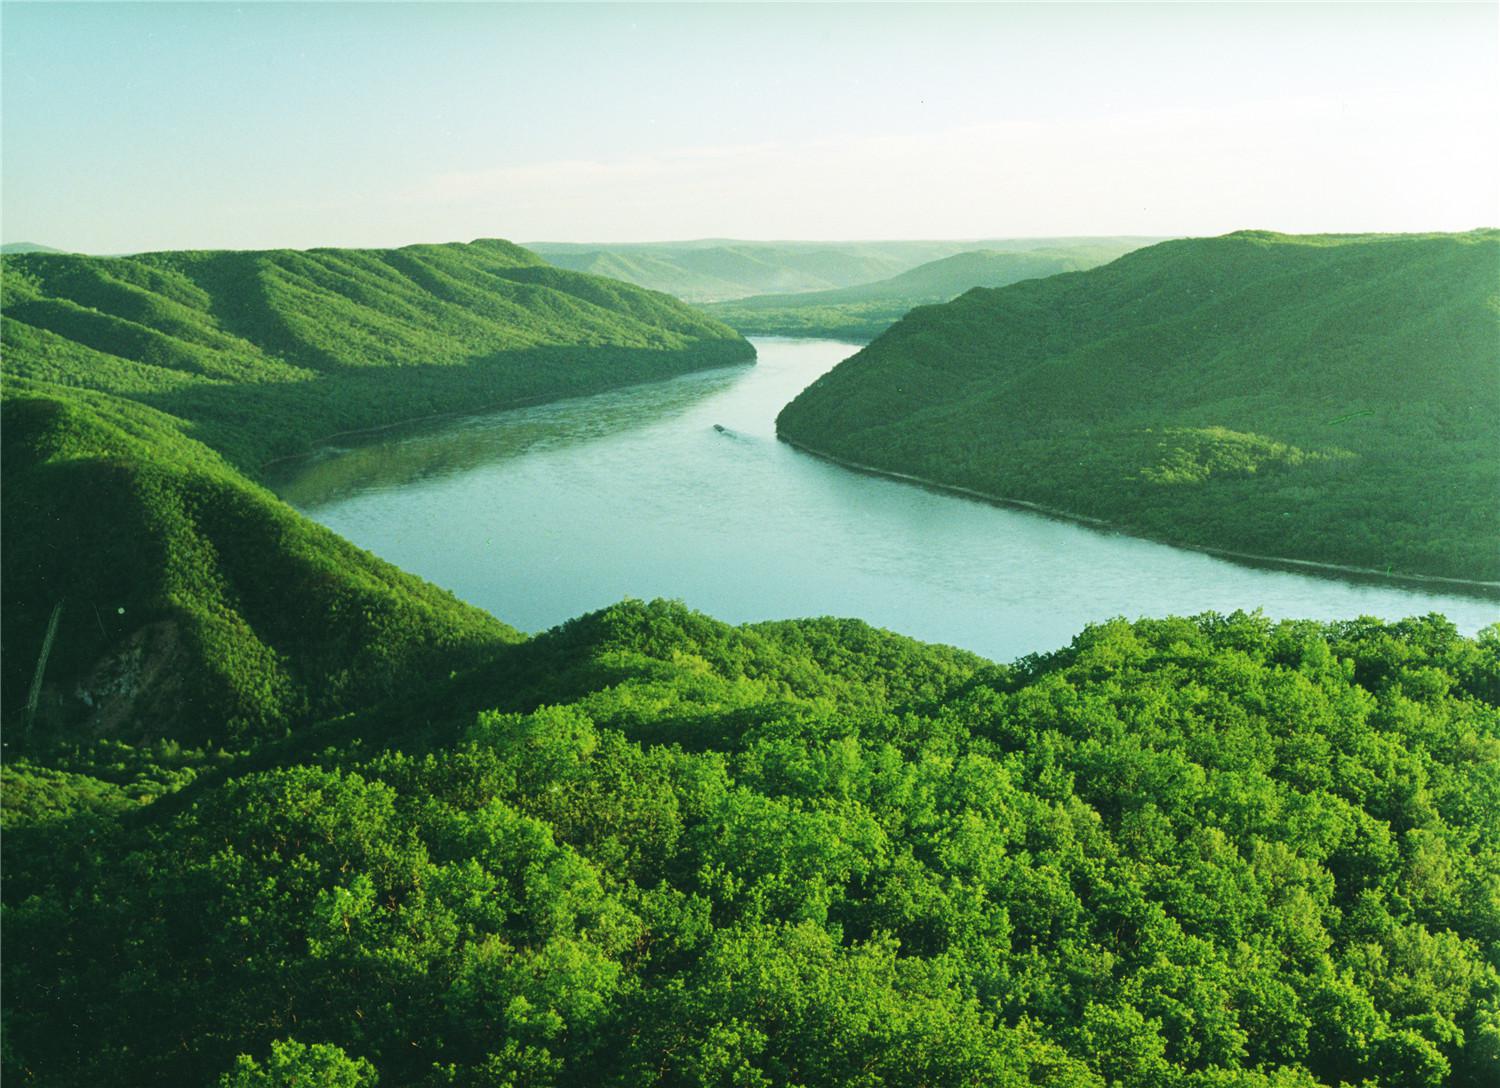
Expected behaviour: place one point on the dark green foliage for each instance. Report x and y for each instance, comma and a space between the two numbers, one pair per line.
865, 311
1199, 853
264, 353
1333, 399
195, 604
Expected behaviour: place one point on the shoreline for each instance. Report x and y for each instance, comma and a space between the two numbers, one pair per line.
1484, 590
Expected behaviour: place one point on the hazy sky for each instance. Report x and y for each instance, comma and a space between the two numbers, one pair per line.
134, 126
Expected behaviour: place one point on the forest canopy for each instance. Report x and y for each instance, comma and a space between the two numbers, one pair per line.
649, 848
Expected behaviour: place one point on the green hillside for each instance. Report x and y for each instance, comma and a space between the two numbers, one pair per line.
647, 849
1333, 399
865, 311
717, 269
191, 603
142, 393
264, 353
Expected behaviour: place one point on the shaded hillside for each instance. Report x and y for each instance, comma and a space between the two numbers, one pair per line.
263, 353
1194, 853
1332, 399
714, 270
192, 604
865, 311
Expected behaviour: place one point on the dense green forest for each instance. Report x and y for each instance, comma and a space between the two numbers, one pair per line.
1325, 398
865, 311
264, 353
647, 848
716, 269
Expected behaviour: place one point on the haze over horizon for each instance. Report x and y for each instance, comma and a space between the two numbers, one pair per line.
130, 127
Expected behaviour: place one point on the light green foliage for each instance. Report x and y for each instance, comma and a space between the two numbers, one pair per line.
649, 848
865, 311
1334, 399
294, 1065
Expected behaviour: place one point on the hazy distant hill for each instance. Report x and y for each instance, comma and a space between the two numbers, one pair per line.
28, 247
1326, 398
864, 311
716, 269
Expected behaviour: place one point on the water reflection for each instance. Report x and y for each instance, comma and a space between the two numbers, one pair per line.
435, 449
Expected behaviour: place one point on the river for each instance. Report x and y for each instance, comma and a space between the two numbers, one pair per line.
540, 514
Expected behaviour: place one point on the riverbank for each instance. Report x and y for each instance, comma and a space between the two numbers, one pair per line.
1486, 590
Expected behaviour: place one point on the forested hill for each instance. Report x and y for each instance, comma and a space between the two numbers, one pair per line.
864, 311
265, 352
182, 600
1325, 398
149, 586
647, 849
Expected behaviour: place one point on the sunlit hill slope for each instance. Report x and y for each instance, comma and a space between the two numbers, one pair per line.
1332, 399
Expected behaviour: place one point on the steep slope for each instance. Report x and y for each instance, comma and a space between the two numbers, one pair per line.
865, 311
266, 352
1195, 853
1330, 399
191, 603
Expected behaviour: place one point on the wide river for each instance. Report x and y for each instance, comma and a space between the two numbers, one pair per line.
540, 514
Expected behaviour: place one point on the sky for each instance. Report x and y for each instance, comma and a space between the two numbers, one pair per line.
127, 127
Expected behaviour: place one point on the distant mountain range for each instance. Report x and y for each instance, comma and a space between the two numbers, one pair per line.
714, 270
864, 311
1333, 399
28, 247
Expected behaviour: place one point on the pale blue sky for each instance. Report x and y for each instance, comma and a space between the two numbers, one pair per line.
134, 126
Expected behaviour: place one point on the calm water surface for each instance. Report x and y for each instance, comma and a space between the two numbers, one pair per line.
541, 514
